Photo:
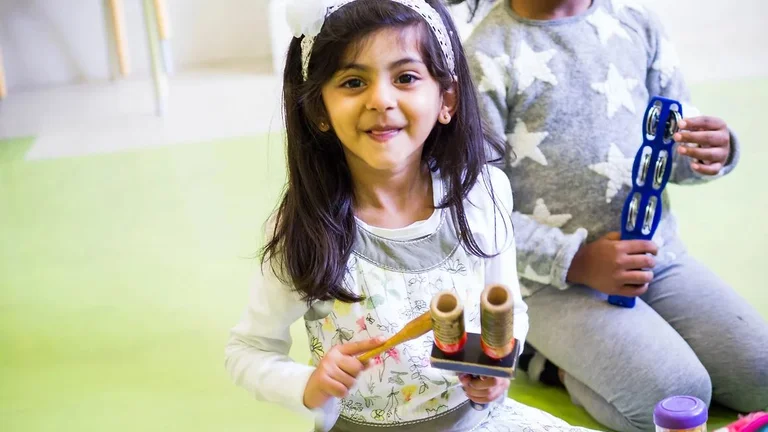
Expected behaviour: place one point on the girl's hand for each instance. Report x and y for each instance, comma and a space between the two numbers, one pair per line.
712, 139
613, 266
337, 372
484, 390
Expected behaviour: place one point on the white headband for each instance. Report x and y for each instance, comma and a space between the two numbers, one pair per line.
306, 18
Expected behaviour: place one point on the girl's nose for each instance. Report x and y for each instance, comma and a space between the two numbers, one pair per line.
381, 97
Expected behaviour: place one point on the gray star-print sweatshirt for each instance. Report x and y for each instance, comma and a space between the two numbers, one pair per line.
570, 95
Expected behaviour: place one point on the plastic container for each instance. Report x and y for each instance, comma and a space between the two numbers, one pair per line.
681, 413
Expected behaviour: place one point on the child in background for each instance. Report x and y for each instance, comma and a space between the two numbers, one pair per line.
389, 201
566, 82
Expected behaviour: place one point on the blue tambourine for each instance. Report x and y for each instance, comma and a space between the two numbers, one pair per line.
650, 173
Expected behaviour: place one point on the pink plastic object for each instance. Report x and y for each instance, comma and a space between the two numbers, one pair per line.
754, 422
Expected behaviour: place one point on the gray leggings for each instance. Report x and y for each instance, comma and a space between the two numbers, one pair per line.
689, 334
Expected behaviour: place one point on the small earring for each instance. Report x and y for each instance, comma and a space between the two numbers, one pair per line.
324, 127
445, 118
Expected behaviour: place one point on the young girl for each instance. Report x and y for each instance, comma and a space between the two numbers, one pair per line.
388, 202
567, 83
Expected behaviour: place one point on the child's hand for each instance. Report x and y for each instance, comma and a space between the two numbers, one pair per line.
713, 139
614, 266
484, 389
337, 372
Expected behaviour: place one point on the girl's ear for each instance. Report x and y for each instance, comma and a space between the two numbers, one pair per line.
322, 121
450, 102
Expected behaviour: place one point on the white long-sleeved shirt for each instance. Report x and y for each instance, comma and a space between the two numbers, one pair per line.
391, 268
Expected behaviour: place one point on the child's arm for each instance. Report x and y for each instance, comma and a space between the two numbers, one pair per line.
665, 78
257, 353
496, 235
498, 269
542, 252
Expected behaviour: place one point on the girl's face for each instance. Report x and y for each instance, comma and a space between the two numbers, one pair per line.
383, 102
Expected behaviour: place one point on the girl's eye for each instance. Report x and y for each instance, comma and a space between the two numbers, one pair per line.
353, 83
407, 79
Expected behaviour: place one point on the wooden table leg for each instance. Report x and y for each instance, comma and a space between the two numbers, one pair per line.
164, 31
158, 73
3, 88
118, 26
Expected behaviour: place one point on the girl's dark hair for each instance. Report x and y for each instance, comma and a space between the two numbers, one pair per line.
473, 5
314, 225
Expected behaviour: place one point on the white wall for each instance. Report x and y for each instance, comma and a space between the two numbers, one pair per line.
717, 39
50, 42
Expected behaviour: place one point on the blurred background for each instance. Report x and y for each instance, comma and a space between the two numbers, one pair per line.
140, 152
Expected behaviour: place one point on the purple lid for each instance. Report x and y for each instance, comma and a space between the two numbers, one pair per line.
680, 412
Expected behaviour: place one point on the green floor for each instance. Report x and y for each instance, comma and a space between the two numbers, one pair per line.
121, 274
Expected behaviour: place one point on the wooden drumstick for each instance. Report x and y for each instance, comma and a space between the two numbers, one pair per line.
415, 328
